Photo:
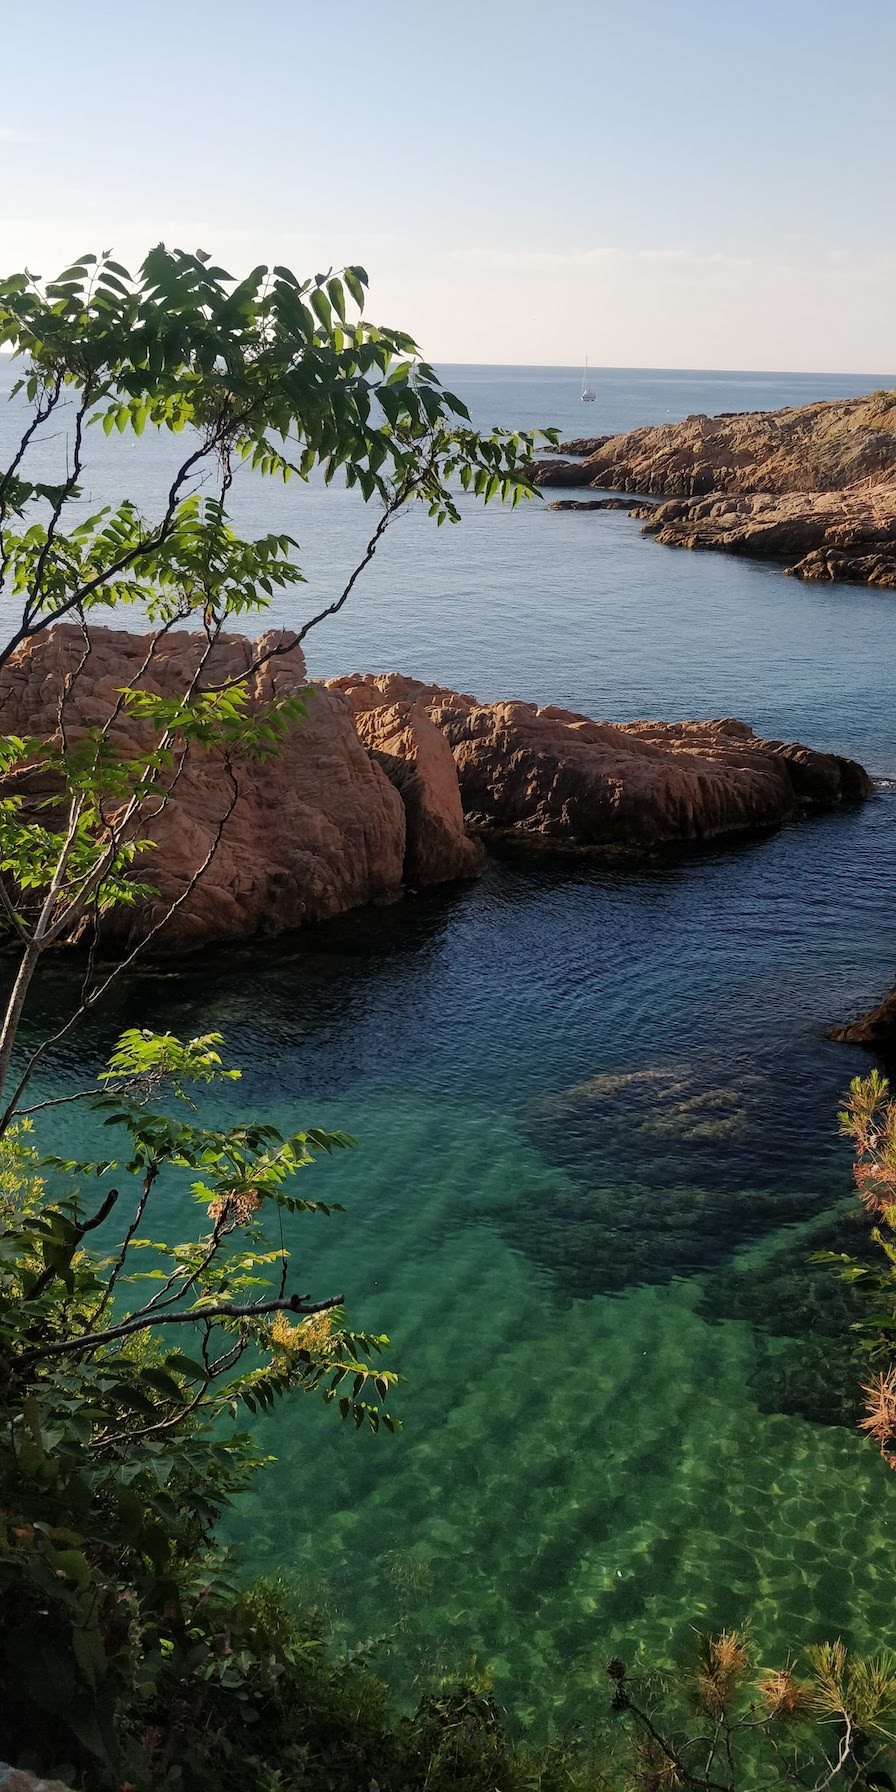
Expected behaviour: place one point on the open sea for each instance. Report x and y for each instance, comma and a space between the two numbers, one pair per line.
596, 1110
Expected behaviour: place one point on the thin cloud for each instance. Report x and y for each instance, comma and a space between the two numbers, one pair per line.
10, 134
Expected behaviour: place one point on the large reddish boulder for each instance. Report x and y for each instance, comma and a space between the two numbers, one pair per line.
551, 774
556, 775
372, 790
317, 829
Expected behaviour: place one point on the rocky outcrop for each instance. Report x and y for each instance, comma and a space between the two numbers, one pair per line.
805, 448
373, 789
583, 445
550, 775
417, 760
635, 506
18, 1779
560, 472
876, 1028
813, 486
316, 830
848, 566
557, 775
858, 526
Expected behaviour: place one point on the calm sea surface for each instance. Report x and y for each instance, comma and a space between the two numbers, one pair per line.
596, 1110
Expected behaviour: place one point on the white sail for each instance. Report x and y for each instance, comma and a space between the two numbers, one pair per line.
587, 394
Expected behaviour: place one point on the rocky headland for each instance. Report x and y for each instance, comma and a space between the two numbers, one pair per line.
812, 486
375, 790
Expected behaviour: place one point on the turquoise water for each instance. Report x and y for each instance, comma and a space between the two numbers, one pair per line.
596, 1121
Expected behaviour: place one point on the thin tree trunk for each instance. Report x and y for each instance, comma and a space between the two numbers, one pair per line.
27, 967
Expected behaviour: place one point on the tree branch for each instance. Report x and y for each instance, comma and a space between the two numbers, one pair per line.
90, 999
293, 1303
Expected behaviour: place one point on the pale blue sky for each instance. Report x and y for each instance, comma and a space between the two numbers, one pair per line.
691, 183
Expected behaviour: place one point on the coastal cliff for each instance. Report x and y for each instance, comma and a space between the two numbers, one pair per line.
813, 486
373, 791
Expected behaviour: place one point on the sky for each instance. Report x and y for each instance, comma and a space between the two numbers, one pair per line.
650, 183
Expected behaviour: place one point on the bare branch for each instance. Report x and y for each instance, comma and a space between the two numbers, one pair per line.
148, 1180
66, 491
90, 998
46, 1275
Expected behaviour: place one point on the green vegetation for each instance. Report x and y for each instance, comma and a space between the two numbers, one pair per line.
131, 1654
126, 1361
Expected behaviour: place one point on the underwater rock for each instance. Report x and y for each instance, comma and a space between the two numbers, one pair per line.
692, 1188
810, 1362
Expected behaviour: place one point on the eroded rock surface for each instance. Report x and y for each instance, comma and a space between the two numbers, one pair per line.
374, 789
804, 448
847, 534
549, 773
315, 831
811, 485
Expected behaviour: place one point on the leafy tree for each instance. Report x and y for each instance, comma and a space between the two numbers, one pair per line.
285, 375
117, 1443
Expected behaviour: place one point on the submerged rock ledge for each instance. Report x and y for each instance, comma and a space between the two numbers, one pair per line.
813, 485
373, 792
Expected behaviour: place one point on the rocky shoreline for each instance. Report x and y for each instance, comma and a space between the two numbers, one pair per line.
876, 1028
374, 792
812, 486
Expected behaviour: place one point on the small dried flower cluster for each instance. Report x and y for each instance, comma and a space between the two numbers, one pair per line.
869, 1120
784, 1696
314, 1334
880, 1417
235, 1207
724, 1659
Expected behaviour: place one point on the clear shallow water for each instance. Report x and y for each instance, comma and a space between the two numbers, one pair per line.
587, 1100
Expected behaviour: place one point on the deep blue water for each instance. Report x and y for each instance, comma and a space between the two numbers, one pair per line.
585, 1098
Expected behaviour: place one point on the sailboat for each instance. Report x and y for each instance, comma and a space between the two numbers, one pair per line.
588, 393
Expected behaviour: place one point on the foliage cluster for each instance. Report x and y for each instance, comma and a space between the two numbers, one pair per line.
129, 1363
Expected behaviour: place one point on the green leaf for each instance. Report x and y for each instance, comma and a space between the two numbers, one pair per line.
337, 297
320, 305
